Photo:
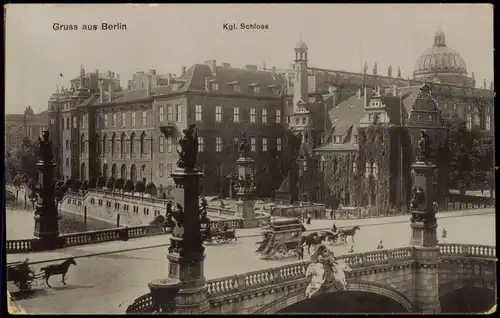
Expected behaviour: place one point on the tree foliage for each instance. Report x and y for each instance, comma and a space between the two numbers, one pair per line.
110, 183
128, 186
119, 184
92, 184
151, 188
22, 159
139, 187
470, 155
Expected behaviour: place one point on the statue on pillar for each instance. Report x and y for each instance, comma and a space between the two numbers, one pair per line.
243, 146
178, 216
189, 148
45, 148
423, 147
203, 211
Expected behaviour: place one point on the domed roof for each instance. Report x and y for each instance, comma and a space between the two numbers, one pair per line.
301, 45
440, 58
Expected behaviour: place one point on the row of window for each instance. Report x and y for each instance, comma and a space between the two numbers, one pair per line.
236, 88
370, 168
165, 144
126, 207
236, 114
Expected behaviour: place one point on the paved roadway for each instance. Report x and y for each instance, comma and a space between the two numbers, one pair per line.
109, 283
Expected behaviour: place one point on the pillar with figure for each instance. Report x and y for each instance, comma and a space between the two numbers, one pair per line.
245, 185
424, 228
184, 290
43, 195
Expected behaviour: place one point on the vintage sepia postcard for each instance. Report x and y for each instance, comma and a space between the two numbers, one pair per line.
249, 159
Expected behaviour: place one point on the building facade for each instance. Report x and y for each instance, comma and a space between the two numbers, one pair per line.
20, 126
355, 134
292, 118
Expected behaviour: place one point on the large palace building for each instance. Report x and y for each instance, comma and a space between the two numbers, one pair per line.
27, 125
290, 117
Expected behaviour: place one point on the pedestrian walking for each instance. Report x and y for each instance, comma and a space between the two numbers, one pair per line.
309, 218
443, 235
332, 214
300, 252
380, 246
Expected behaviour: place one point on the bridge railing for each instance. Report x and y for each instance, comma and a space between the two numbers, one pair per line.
467, 250
295, 271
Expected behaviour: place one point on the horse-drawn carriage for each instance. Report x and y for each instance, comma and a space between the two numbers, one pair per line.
21, 275
222, 235
280, 238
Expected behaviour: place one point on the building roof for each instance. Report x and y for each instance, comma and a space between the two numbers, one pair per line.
194, 80
347, 113
440, 58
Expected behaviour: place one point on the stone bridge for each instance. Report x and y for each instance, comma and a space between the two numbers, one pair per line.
401, 275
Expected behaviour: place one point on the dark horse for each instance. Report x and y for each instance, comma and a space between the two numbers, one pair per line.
57, 269
311, 239
343, 233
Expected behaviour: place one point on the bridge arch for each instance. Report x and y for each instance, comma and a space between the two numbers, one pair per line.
468, 295
354, 286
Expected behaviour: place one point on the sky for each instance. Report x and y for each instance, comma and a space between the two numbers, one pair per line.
168, 36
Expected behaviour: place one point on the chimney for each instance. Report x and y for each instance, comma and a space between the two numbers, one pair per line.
364, 96
109, 74
206, 84
226, 65
110, 92
169, 79
101, 91
148, 85
117, 76
97, 73
152, 72
251, 68
183, 70
212, 65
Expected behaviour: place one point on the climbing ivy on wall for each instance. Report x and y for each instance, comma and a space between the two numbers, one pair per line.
377, 144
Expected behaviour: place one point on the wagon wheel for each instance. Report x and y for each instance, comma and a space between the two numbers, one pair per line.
218, 239
226, 239
281, 249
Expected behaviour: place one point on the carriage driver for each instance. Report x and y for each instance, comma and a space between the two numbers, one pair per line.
26, 268
334, 228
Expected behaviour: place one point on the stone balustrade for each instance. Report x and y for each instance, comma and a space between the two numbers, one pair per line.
467, 250
232, 285
113, 234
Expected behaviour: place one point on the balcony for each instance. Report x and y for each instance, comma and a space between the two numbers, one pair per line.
168, 127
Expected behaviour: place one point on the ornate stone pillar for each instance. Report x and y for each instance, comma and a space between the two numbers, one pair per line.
245, 188
46, 216
184, 290
423, 226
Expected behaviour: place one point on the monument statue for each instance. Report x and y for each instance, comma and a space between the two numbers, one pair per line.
325, 270
243, 146
45, 148
189, 148
423, 147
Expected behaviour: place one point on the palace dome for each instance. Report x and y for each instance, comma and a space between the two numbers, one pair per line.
301, 45
439, 59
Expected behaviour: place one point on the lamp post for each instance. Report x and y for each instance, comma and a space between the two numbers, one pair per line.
44, 197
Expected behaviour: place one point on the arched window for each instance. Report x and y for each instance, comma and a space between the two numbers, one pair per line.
123, 140
133, 174
143, 143
114, 171
113, 144
105, 170
143, 173
354, 167
83, 175
375, 169
133, 144
82, 143
123, 174
105, 143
